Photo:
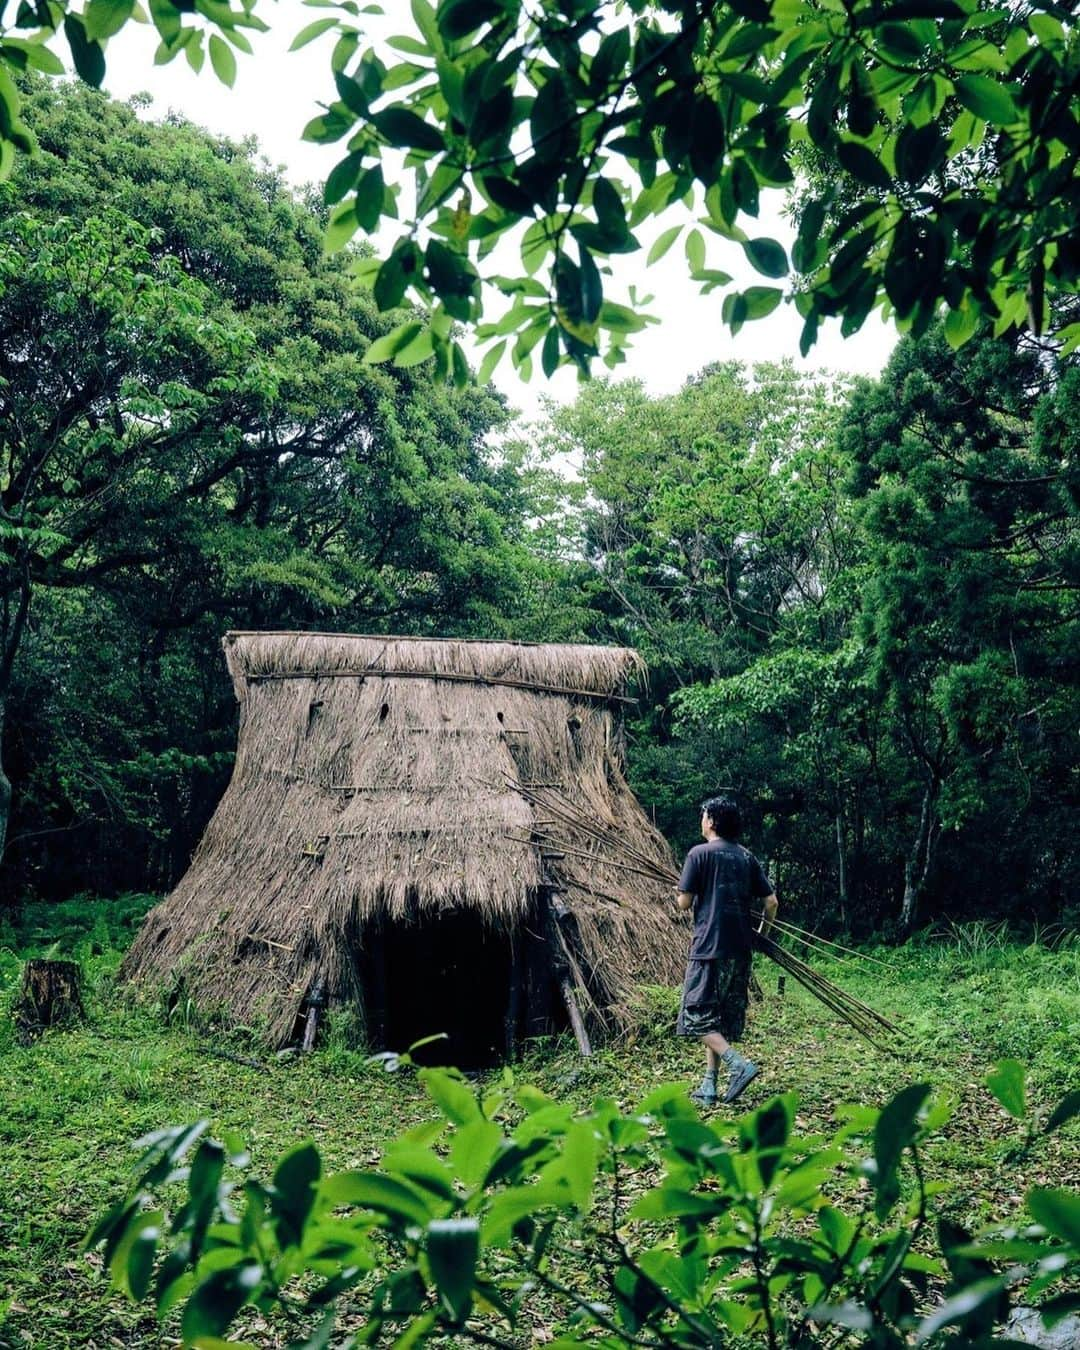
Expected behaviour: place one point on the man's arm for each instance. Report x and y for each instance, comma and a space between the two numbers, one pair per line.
769, 907
685, 899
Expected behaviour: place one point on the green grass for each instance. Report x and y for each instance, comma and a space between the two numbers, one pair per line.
72, 1102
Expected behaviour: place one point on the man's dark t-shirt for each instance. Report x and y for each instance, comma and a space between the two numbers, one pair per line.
724, 878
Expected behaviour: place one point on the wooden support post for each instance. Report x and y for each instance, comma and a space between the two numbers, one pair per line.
316, 1003
375, 996
537, 977
556, 914
576, 1020
513, 996
49, 996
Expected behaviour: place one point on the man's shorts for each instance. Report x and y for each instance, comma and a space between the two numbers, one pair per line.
715, 996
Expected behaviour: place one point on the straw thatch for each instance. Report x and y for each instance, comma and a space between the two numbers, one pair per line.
377, 784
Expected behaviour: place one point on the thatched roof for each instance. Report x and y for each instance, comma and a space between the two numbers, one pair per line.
376, 781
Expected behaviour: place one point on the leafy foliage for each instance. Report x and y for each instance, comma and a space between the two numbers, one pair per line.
943, 138
460, 1229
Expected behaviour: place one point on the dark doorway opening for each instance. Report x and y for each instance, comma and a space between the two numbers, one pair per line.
449, 973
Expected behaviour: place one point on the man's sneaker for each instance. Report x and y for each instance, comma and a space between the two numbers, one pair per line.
742, 1076
703, 1098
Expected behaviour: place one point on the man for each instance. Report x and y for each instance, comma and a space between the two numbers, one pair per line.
723, 882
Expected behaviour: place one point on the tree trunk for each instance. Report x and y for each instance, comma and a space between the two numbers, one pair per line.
49, 996
841, 857
5, 785
917, 866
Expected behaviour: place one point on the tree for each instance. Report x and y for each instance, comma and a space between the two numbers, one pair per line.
860, 613
193, 441
966, 463
713, 516
945, 135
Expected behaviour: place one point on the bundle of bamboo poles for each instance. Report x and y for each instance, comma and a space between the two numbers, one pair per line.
558, 815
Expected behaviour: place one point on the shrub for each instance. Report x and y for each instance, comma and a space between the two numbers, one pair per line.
648, 1228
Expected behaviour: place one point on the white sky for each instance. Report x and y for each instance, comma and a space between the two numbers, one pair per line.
277, 92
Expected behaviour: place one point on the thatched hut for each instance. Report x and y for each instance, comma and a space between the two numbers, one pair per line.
379, 843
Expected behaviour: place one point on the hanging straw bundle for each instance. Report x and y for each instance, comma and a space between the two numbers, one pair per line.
564, 829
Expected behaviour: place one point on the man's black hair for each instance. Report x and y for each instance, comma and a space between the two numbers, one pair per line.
724, 816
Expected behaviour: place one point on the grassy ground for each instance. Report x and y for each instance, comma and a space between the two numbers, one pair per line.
70, 1103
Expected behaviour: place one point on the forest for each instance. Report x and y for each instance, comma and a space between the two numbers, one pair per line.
857, 603
857, 600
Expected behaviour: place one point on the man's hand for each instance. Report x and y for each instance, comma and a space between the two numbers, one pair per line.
769, 906
685, 900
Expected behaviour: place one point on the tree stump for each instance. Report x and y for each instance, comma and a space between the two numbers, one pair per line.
49, 996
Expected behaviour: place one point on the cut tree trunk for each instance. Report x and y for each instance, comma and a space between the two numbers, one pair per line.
49, 995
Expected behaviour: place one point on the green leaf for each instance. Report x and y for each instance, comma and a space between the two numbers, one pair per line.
341, 227
506, 193
371, 1190
419, 349
767, 257
896, 1128
987, 99
222, 60
424, 18
669, 1202
458, 18
295, 1180
960, 324
577, 1163
554, 134
417, 1164
451, 1095
104, 18
88, 56
453, 1249
610, 59
311, 32
326, 129
387, 346
403, 128
662, 243
391, 281
207, 1168
1007, 1085
863, 164
919, 151
370, 197
1058, 1211
217, 1299
761, 300
519, 1202
1060, 1306
492, 357
592, 288
610, 214
695, 250
342, 177
1066, 1110
140, 1258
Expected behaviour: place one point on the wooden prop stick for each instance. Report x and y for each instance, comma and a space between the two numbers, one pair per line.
805, 936
576, 1020
662, 874
792, 963
857, 1014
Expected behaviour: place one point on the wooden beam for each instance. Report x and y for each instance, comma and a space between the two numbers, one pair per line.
452, 677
